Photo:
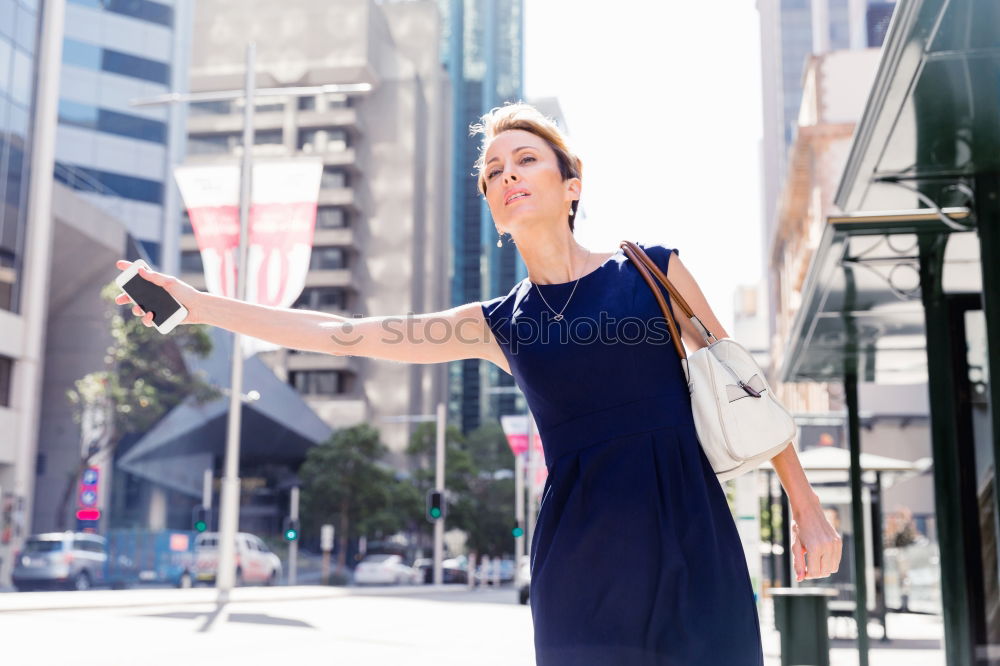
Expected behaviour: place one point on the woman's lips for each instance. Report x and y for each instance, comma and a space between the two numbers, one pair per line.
515, 199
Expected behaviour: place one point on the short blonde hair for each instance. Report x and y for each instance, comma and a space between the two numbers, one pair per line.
522, 116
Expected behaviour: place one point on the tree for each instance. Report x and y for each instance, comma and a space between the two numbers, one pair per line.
145, 377
343, 479
478, 503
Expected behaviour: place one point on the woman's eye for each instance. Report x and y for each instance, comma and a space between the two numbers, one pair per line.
496, 171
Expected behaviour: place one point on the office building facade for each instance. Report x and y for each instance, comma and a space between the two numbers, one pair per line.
791, 31
381, 243
116, 153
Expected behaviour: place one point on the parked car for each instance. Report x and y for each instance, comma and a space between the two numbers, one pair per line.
255, 563
523, 579
451, 571
506, 572
67, 560
386, 568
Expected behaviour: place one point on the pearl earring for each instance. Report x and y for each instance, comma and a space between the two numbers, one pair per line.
499, 242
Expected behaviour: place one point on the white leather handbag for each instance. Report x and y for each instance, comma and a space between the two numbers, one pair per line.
740, 423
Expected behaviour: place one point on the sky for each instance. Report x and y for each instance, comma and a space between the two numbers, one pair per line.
662, 102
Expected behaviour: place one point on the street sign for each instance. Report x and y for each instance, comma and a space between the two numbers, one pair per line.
326, 538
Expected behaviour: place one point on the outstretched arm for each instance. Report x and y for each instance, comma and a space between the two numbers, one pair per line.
458, 333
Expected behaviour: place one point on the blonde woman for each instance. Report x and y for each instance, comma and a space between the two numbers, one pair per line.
635, 557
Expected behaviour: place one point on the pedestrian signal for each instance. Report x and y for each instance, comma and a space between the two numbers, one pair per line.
290, 529
199, 518
435, 505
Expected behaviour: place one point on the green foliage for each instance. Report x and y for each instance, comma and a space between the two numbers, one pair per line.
345, 483
766, 511
478, 503
144, 378
145, 375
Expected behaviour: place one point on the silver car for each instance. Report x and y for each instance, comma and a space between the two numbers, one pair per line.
68, 560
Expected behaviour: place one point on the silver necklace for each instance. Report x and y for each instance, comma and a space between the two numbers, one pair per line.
559, 314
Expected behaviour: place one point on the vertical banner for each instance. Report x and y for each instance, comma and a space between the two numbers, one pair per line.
515, 427
280, 229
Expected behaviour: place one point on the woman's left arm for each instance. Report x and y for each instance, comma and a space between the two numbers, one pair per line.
816, 546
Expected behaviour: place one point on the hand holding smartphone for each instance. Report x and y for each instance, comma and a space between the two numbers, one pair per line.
150, 297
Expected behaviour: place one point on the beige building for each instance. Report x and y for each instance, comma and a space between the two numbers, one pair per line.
381, 245
835, 87
893, 413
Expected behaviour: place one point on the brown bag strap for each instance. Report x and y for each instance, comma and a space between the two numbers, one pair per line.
645, 266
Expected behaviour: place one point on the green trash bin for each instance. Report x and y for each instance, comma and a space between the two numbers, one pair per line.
800, 616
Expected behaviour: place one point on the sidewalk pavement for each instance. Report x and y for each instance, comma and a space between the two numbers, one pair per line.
914, 640
21, 602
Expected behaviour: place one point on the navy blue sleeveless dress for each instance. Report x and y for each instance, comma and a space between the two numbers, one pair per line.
635, 557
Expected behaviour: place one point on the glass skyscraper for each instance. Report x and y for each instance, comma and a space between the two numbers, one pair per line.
19, 25
484, 55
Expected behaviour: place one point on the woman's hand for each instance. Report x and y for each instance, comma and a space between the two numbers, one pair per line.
816, 546
184, 293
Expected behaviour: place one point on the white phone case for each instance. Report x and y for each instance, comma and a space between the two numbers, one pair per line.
131, 272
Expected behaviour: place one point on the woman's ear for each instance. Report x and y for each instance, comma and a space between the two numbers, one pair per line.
574, 187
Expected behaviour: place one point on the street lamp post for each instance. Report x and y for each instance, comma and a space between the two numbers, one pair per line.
229, 502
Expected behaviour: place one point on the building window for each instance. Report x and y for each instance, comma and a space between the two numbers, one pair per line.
110, 184
216, 108
267, 138
307, 103
333, 177
212, 144
91, 56
322, 139
8, 273
327, 258
186, 227
112, 122
191, 261
6, 372
146, 10
323, 299
331, 217
317, 382
152, 249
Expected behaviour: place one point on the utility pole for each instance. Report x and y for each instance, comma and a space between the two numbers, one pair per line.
439, 484
293, 546
230, 493
229, 503
440, 417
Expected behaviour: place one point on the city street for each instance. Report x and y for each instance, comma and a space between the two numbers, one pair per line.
379, 625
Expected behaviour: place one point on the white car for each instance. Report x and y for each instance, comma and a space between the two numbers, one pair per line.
388, 569
255, 563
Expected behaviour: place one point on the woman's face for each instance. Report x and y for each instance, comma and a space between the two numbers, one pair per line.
518, 161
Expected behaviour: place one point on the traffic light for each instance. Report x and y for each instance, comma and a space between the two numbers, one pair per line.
290, 528
435, 505
199, 518
518, 531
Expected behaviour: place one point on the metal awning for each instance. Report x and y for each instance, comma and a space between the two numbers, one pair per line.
861, 300
931, 125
